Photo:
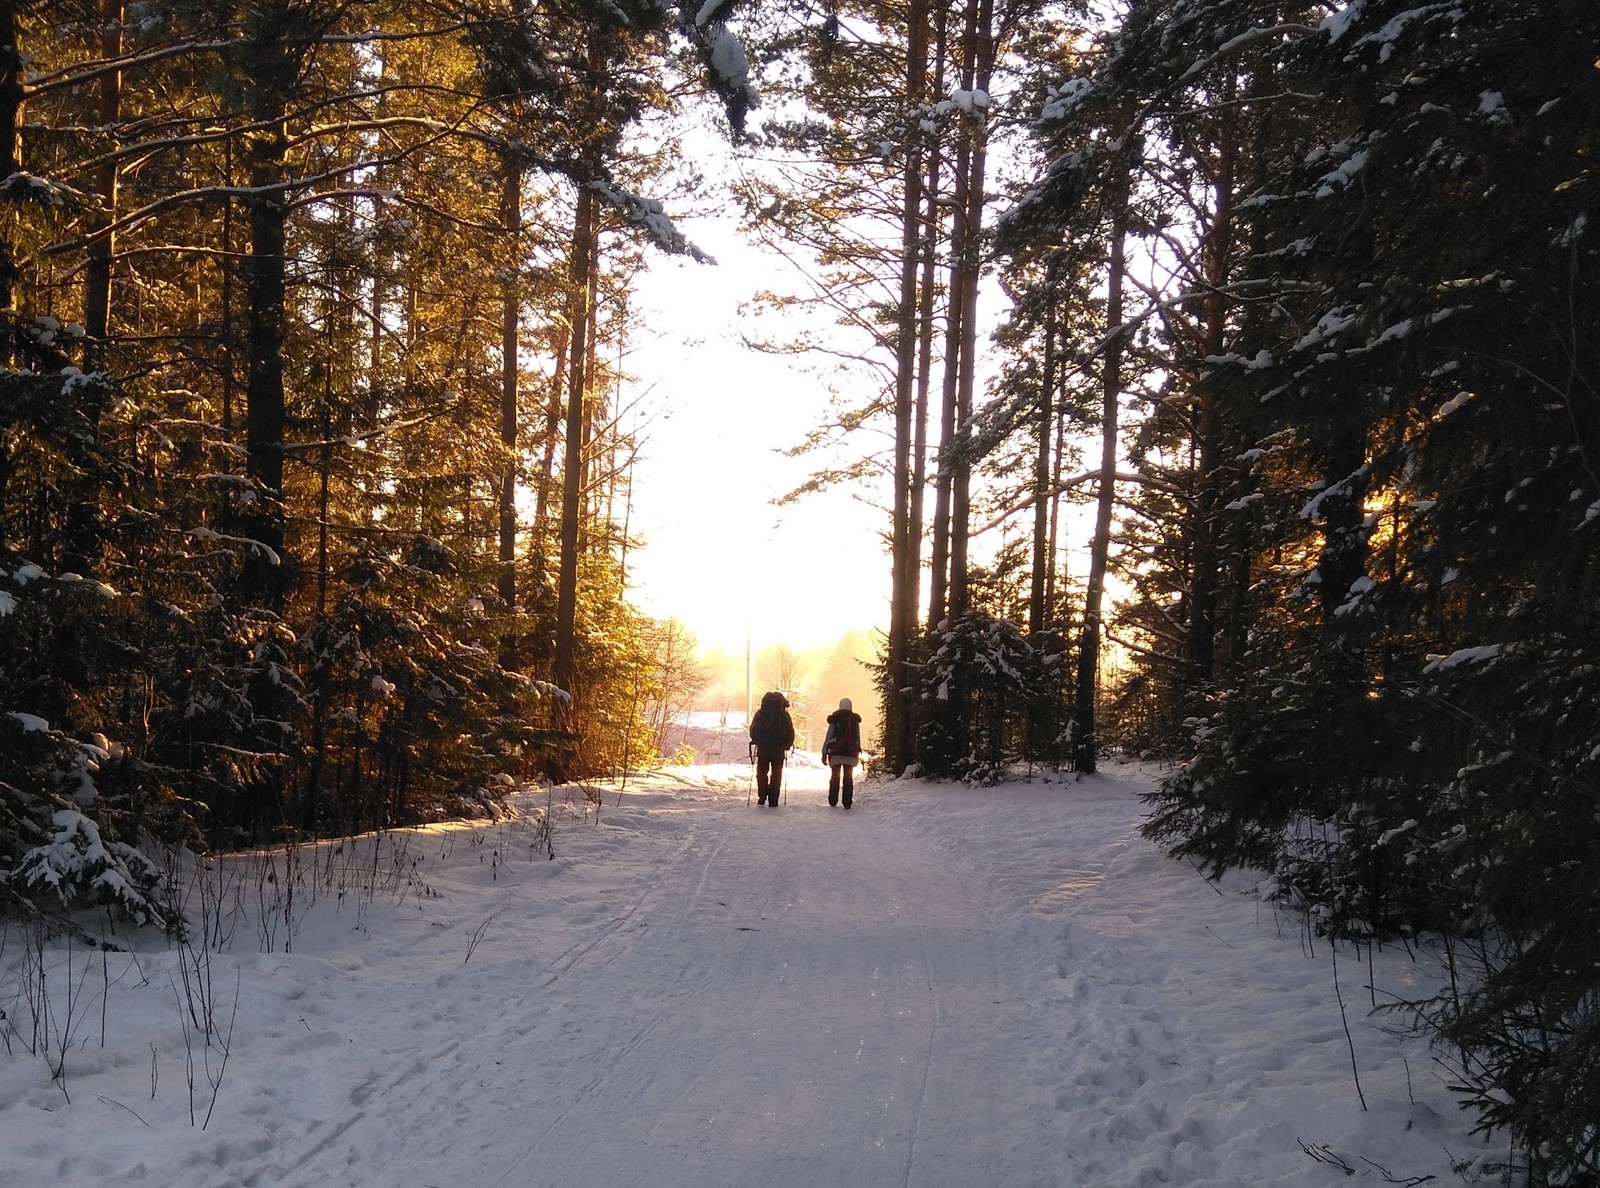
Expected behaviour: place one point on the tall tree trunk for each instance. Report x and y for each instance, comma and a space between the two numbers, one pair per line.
510, 321
572, 464
98, 262
226, 357
939, 549
906, 558
309, 807
82, 535
1042, 469
978, 67
594, 391
1055, 574
1201, 640
1043, 717
929, 249
265, 271
1240, 543
544, 479
916, 510
932, 227
942, 565
1085, 738
13, 95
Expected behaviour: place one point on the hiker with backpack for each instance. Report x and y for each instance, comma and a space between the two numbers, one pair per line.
771, 736
841, 751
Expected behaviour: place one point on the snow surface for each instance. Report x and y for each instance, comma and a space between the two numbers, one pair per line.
943, 988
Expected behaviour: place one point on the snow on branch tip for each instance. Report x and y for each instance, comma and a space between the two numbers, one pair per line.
723, 55
647, 214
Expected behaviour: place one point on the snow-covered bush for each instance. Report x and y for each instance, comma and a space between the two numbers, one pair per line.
78, 867
53, 851
978, 690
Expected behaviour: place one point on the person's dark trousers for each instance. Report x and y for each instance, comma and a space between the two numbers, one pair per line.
769, 774
841, 782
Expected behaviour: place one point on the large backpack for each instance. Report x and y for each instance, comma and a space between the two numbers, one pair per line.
847, 739
766, 728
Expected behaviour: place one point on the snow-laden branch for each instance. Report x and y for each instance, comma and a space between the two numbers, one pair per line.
704, 23
210, 534
1249, 37
361, 440
647, 214
1062, 100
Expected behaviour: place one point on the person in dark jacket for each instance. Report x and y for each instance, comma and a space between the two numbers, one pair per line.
771, 736
841, 751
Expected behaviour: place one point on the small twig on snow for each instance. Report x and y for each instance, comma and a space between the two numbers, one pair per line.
1324, 1154
1409, 1181
119, 1105
477, 935
1209, 883
1345, 1019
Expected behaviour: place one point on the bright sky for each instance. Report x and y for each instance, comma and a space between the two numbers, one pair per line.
719, 556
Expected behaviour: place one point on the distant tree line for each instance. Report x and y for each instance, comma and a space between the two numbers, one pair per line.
1304, 326
314, 477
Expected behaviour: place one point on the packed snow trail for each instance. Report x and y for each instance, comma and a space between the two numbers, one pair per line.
799, 996
944, 987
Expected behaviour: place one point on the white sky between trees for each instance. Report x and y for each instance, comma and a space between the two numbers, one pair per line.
718, 555
714, 416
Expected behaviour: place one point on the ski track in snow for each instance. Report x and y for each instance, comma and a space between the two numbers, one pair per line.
817, 1011
941, 988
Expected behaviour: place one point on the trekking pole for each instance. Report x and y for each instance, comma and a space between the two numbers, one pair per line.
751, 791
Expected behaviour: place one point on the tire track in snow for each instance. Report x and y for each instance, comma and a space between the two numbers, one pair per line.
798, 997
832, 936
565, 961
449, 1065
704, 860
927, 1062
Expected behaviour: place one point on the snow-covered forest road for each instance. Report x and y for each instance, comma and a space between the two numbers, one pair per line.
795, 996
941, 988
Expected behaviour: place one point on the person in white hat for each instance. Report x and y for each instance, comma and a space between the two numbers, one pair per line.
841, 751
